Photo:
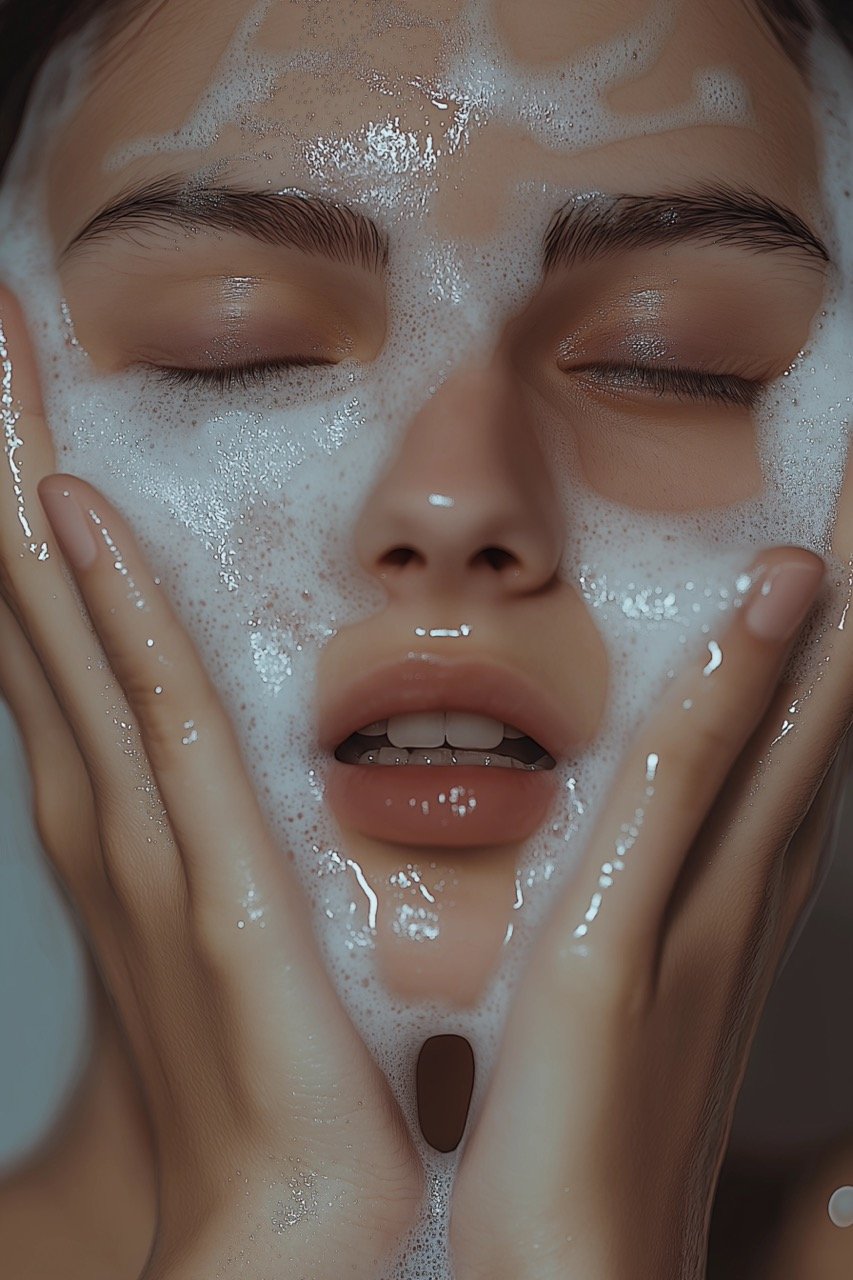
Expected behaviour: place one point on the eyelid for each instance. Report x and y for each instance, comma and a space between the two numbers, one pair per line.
223, 348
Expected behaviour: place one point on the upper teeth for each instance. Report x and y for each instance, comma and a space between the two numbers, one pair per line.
434, 728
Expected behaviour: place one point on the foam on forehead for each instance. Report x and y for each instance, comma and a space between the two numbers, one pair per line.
469, 80
232, 501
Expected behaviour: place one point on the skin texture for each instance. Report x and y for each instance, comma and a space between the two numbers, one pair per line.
475, 437
646, 984
268, 1078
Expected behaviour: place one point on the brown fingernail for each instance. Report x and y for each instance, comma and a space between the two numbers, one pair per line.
76, 536
782, 599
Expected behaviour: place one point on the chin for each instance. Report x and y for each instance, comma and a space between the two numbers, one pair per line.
440, 917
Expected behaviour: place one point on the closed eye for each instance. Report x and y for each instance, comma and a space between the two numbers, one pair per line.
225, 377
680, 384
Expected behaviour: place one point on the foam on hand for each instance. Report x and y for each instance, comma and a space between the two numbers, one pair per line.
229, 492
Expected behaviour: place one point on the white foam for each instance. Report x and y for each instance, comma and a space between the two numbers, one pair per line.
231, 501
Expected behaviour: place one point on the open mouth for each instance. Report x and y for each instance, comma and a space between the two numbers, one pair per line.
474, 775
440, 738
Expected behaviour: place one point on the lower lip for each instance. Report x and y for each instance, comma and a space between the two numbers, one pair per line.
454, 806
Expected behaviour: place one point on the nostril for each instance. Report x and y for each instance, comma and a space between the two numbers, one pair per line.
399, 557
495, 557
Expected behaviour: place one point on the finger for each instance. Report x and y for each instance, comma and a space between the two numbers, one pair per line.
35, 582
819, 705
244, 915
779, 775
142, 865
146, 868
245, 908
674, 770
763, 845
62, 795
232, 866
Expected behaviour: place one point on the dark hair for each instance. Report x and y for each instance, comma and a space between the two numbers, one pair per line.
791, 21
28, 32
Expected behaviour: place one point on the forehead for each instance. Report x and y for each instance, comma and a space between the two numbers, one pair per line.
443, 106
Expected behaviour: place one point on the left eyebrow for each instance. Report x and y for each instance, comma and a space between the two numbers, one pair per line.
294, 219
590, 227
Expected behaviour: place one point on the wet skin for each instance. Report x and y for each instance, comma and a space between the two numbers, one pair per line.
531, 395
735, 312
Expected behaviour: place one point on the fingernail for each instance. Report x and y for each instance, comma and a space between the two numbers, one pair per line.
75, 534
782, 599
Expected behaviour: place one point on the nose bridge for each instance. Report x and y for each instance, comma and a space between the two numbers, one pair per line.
464, 424
468, 498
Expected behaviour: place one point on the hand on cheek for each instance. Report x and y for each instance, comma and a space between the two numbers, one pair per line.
254, 1079
628, 1034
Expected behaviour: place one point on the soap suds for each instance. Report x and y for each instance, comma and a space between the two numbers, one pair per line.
234, 511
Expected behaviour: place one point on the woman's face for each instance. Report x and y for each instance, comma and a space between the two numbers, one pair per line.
466, 462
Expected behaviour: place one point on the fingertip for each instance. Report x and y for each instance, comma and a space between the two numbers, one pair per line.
57, 484
784, 553
783, 594
67, 515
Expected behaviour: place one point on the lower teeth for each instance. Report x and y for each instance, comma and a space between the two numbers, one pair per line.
441, 756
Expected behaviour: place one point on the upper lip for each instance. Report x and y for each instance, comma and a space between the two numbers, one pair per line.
427, 683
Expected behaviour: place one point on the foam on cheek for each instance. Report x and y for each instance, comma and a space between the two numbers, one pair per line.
232, 502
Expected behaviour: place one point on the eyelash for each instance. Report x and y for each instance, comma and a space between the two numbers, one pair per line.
688, 384
685, 384
227, 377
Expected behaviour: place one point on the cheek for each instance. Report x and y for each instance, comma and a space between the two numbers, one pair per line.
671, 459
564, 634
671, 467
246, 514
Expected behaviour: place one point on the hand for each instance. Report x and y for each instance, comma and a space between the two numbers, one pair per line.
279, 1146
599, 1141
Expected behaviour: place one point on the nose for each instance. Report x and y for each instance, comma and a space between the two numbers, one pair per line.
468, 504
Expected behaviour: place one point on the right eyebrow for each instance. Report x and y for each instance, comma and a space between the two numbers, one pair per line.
293, 219
595, 226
